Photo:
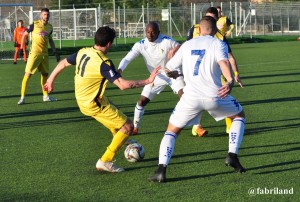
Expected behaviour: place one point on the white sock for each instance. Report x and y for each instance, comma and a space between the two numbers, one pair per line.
236, 134
138, 113
167, 147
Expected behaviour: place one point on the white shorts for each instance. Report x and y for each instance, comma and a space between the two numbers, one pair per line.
187, 111
159, 85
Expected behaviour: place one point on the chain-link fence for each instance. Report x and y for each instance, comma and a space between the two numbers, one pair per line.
81, 23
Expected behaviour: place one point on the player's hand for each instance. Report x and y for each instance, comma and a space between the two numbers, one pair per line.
172, 74
225, 89
228, 33
48, 86
238, 80
154, 73
15, 44
57, 56
21, 52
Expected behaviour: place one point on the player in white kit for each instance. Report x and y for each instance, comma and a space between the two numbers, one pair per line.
156, 49
203, 60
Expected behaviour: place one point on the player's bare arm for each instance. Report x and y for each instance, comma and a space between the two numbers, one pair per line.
226, 88
49, 85
235, 69
172, 52
125, 84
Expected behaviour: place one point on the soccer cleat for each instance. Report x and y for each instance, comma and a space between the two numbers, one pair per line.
199, 131
47, 98
21, 101
160, 174
135, 131
233, 161
108, 166
15, 63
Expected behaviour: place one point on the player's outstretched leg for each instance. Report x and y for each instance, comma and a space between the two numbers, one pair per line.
165, 153
106, 161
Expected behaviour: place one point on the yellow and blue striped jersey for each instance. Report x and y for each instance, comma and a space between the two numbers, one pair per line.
93, 71
40, 36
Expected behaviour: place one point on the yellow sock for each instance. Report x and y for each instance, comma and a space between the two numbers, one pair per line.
117, 142
24, 85
43, 81
228, 122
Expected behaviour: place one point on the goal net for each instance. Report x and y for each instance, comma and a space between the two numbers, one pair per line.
9, 16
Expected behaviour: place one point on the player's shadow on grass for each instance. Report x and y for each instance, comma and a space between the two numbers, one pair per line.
273, 100
259, 130
33, 123
270, 83
166, 111
37, 94
286, 163
295, 148
39, 113
193, 177
280, 170
271, 75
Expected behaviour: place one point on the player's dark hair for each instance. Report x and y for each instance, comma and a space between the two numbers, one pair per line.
45, 10
212, 10
104, 35
21, 21
218, 7
154, 25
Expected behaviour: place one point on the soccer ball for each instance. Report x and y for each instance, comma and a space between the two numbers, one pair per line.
134, 152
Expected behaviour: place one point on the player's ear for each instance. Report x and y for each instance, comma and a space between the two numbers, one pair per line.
109, 44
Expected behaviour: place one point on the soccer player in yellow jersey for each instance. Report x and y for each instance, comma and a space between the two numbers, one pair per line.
224, 25
92, 73
38, 59
194, 32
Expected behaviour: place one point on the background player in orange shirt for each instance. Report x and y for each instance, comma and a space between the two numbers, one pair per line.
18, 34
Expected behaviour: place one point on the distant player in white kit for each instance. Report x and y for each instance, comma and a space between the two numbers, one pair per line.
156, 49
203, 60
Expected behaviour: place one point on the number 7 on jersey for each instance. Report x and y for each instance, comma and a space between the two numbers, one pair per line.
201, 54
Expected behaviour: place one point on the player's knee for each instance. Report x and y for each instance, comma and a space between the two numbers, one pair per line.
143, 101
240, 115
